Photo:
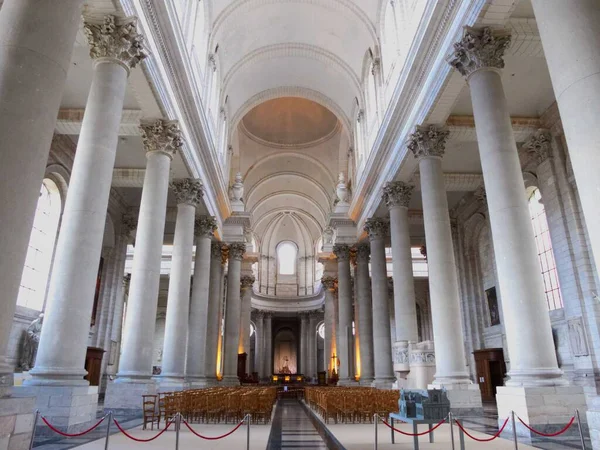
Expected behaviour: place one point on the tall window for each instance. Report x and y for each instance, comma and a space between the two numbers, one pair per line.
41, 246
286, 258
544, 248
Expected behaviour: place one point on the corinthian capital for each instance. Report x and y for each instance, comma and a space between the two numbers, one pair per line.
540, 143
216, 250
341, 251
363, 251
479, 49
428, 141
247, 281
163, 136
377, 228
128, 223
188, 191
205, 226
329, 283
237, 250
397, 193
117, 40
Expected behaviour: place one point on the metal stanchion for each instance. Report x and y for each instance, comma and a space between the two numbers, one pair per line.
514, 427
580, 429
35, 421
108, 430
177, 423
451, 429
248, 419
375, 420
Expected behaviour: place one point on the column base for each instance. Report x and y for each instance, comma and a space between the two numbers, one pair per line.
364, 381
170, 384
69, 408
383, 383
465, 398
346, 382
53, 377
16, 422
124, 395
229, 380
198, 382
547, 409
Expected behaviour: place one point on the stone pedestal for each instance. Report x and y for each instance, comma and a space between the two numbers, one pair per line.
465, 399
16, 422
422, 365
400, 357
547, 409
126, 398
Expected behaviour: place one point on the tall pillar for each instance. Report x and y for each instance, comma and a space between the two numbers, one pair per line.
330, 346
233, 311
382, 343
397, 196
479, 57
246, 283
268, 344
312, 344
364, 305
344, 325
259, 339
36, 43
303, 344
570, 33
161, 141
214, 319
451, 371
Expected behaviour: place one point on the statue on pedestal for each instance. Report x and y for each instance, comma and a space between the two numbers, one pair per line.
30, 343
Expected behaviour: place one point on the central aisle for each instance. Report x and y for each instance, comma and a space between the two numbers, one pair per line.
293, 428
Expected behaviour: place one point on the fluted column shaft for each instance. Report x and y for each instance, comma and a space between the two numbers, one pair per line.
450, 360
304, 344
245, 318
233, 311
63, 341
330, 341
259, 339
382, 342
268, 345
36, 43
312, 345
364, 306
213, 323
344, 328
138, 338
199, 304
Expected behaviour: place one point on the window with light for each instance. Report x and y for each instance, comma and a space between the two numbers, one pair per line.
321, 331
286, 258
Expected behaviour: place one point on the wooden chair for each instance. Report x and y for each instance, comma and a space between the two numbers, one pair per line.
151, 415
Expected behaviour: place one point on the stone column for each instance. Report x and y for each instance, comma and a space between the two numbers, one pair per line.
344, 325
268, 345
364, 306
213, 324
570, 33
397, 197
246, 283
382, 344
161, 141
36, 43
115, 47
233, 311
303, 344
259, 339
188, 194
197, 342
330, 345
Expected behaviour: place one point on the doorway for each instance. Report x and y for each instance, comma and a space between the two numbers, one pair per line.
491, 370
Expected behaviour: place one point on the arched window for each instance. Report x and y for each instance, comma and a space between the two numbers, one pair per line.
389, 45
41, 247
321, 331
252, 329
544, 248
286, 258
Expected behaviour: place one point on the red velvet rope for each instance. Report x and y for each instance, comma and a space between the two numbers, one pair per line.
482, 440
72, 435
411, 434
208, 438
141, 440
550, 434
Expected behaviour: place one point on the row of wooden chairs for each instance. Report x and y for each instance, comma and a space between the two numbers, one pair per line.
210, 405
351, 404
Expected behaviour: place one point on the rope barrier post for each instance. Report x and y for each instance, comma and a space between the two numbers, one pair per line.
461, 436
375, 419
35, 421
392, 430
512, 415
580, 429
451, 429
177, 426
108, 429
248, 419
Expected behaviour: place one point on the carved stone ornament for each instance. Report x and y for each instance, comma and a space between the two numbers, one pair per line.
216, 249
377, 228
188, 191
31, 340
237, 188
327, 236
126, 281
247, 281
329, 282
540, 143
162, 136
479, 49
116, 39
400, 355
363, 251
341, 189
422, 357
480, 194
428, 141
128, 223
224, 253
341, 251
397, 193
577, 338
237, 250
205, 226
